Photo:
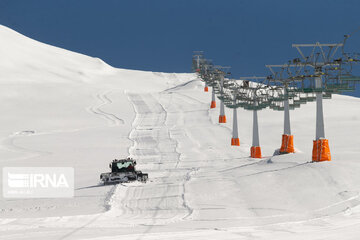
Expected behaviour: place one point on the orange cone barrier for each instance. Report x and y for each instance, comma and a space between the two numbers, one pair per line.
213, 104
222, 119
287, 144
315, 151
324, 150
290, 144
255, 152
206, 89
283, 141
235, 142
321, 151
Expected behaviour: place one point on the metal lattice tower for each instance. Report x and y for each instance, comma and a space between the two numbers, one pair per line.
313, 77
321, 57
250, 96
283, 96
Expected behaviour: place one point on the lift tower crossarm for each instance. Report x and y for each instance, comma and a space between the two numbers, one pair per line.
300, 64
278, 76
254, 77
327, 58
250, 78
318, 44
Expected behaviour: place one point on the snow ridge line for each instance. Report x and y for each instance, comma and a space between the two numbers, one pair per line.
96, 109
180, 86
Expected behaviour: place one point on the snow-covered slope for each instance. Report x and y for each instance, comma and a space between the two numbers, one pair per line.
61, 108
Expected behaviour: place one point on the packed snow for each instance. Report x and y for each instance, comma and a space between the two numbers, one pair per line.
64, 109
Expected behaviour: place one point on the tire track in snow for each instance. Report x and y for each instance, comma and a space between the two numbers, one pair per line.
9, 144
154, 203
188, 174
96, 109
167, 190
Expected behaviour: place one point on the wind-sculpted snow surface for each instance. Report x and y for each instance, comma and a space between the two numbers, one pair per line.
67, 109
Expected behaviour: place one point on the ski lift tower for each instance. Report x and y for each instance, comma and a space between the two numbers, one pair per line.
324, 53
233, 97
221, 73
256, 100
210, 77
206, 68
197, 55
286, 77
209, 74
200, 65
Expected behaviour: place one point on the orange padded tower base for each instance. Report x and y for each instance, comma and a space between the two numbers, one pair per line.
213, 104
206, 89
321, 151
222, 119
235, 142
287, 144
255, 152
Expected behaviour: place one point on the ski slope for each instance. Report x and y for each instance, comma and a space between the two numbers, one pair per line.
64, 109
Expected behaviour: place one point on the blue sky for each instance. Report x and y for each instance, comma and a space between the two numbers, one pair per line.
160, 35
